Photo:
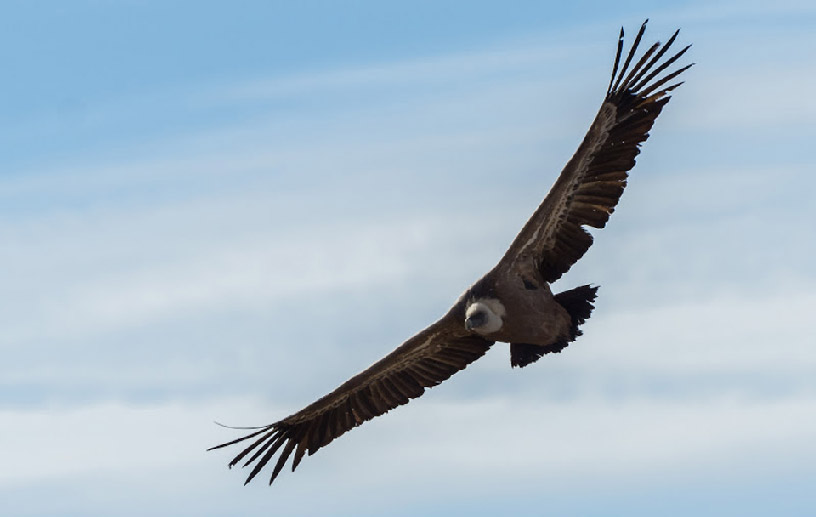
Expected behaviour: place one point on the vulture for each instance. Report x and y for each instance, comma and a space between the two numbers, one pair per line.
513, 303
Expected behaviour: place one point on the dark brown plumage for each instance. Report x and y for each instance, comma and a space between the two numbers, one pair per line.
512, 303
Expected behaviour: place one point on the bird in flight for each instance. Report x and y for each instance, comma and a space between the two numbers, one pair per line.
513, 303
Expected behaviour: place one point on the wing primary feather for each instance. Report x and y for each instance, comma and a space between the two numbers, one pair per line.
273, 448
637, 68
301, 447
655, 59
238, 440
631, 54
257, 443
282, 459
617, 62
219, 424
668, 89
273, 442
660, 97
321, 436
636, 89
663, 81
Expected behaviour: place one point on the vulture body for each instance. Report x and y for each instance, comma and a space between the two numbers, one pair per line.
513, 303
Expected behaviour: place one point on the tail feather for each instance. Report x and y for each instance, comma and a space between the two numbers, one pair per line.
578, 304
522, 354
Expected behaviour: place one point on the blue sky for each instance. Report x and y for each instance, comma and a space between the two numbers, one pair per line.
220, 211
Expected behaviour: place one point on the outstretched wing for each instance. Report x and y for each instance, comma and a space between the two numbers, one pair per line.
423, 361
589, 187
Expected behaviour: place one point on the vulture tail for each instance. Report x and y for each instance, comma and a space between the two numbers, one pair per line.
578, 304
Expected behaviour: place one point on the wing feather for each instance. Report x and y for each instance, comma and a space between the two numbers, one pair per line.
592, 182
422, 362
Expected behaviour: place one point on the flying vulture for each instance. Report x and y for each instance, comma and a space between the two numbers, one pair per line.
513, 303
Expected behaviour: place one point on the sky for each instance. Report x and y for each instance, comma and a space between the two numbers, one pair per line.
219, 211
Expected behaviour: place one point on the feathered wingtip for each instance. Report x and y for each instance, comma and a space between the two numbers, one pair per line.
269, 437
268, 440
638, 81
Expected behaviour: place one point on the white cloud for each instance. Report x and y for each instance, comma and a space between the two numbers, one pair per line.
418, 454
720, 335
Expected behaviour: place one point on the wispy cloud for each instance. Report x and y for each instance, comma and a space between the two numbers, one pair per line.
553, 448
